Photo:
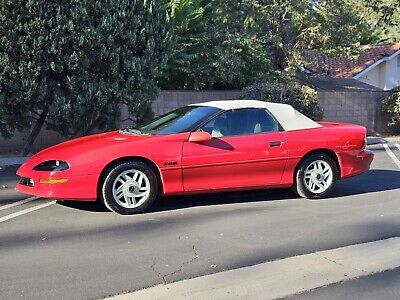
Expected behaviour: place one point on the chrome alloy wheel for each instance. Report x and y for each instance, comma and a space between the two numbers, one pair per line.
318, 176
131, 188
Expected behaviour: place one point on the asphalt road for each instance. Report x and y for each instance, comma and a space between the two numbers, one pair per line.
80, 251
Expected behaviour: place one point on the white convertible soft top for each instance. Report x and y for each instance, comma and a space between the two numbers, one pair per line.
287, 116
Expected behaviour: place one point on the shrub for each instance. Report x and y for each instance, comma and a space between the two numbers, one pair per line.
301, 97
391, 105
70, 65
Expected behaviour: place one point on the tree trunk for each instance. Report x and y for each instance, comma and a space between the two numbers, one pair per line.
95, 124
35, 132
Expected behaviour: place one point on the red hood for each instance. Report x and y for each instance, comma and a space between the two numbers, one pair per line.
77, 145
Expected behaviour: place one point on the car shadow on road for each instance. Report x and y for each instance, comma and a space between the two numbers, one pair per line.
372, 181
83, 205
376, 180
179, 202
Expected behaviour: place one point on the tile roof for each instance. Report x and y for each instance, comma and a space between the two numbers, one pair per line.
337, 84
342, 67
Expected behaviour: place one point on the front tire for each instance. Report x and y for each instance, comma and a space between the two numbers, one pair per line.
316, 176
130, 188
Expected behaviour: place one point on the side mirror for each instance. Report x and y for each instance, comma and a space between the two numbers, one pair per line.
199, 136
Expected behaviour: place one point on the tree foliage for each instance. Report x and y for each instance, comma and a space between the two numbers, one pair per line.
217, 46
391, 105
230, 44
189, 40
71, 64
384, 15
292, 28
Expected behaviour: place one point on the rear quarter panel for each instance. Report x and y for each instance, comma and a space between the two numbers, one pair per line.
346, 140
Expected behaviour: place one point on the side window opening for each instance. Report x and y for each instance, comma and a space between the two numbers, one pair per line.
246, 121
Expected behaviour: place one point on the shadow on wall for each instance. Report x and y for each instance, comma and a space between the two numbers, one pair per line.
370, 182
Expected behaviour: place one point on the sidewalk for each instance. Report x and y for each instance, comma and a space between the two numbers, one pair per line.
372, 140
11, 161
393, 139
282, 278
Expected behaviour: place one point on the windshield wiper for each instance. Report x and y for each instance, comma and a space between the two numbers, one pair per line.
133, 131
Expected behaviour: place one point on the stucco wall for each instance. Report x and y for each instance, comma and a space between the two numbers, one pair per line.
392, 73
354, 107
373, 77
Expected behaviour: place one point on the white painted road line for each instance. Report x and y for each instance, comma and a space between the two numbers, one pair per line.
26, 211
391, 154
3, 207
398, 146
285, 277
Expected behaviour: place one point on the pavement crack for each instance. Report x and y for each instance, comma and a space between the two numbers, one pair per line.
153, 268
195, 256
339, 264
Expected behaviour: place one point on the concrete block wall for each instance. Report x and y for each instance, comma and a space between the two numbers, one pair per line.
359, 107
15, 144
170, 100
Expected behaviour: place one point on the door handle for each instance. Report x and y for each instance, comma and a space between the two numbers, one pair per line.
275, 144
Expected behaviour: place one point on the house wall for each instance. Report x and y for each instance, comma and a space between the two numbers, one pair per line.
354, 107
373, 77
392, 73
385, 76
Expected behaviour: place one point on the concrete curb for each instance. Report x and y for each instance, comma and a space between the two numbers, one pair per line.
282, 278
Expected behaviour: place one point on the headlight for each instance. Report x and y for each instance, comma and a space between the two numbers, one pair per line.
52, 165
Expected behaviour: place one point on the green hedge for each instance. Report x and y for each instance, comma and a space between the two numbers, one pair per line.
301, 97
391, 105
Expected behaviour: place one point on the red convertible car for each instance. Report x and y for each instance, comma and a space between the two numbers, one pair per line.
204, 147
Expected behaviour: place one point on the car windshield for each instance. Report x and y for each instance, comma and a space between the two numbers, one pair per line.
181, 120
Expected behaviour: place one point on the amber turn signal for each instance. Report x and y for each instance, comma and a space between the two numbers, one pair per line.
52, 181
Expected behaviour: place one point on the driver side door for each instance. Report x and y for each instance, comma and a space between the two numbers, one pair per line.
247, 150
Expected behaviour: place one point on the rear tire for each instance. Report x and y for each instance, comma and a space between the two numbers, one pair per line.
129, 188
316, 176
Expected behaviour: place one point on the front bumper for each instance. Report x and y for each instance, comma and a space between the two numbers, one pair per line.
73, 187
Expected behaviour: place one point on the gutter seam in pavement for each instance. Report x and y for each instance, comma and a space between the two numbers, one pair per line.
339, 264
